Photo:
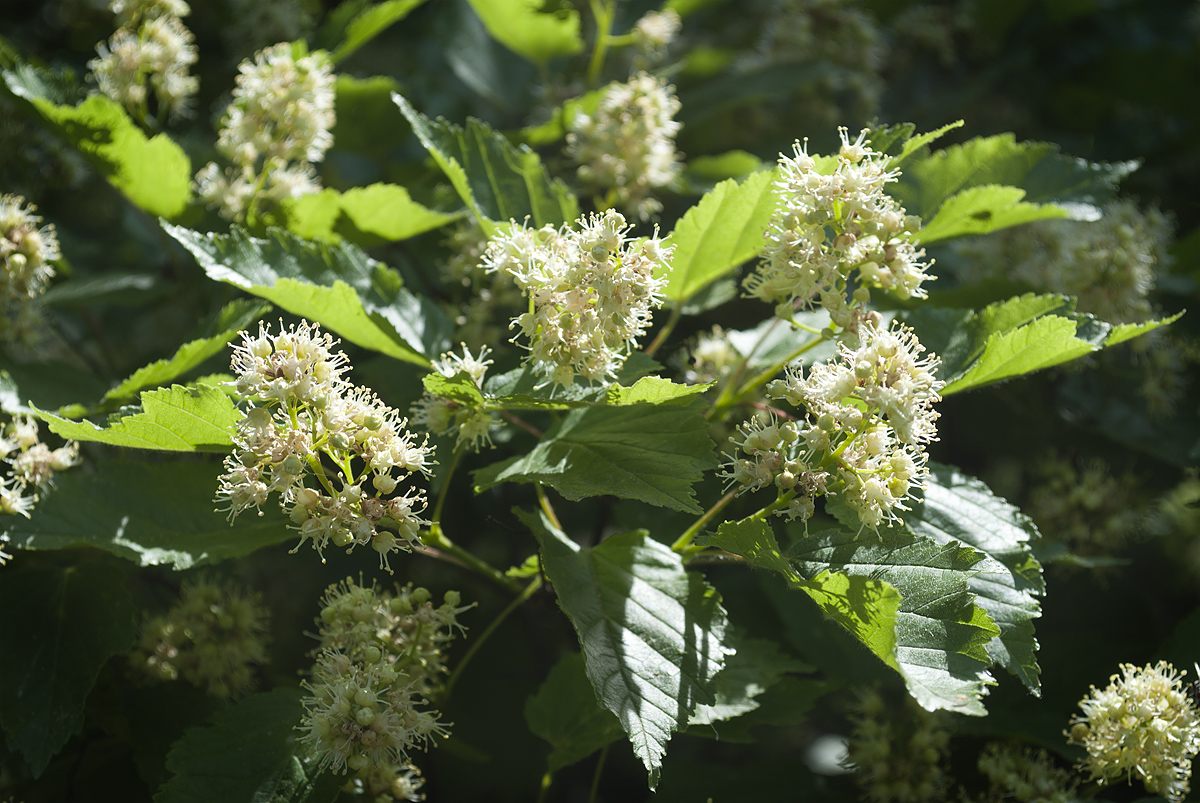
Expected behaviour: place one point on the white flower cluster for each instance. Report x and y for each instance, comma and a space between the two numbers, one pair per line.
32, 465
827, 225
316, 440
148, 57
1109, 264
590, 291
213, 639
440, 415
898, 757
277, 125
653, 34
380, 654
1025, 775
867, 418
627, 148
26, 252
1143, 724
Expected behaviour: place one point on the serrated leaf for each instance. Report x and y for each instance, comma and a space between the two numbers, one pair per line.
1043, 343
371, 22
175, 419
1128, 331
958, 508
654, 454
755, 666
383, 211
1039, 168
719, 233
149, 513
460, 388
522, 27
188, 356
983, 209
63, 624
154, 174
248, 751
337, 285
497, 180
565, 713
653, 390
652, 633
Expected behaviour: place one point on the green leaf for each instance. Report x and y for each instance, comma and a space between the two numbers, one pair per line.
652, 633
368, 122
385, 212
248, 751
371, 22
338, 286
958, 508
719, 233
653, 390
654, 454
555, 129
236, 317
154, 174
983, 209
149, 513
731, 164
176, 419
565, 713
755, 666
522, 27
62, 624
1128, 331
497, 180
1042, 343
460, 388
1045, 174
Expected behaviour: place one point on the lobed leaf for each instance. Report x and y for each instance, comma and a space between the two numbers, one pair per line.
522, 27
565, 713
652, 633
654, 454
150, 513
719, 233
63, 624
497, 180
383, 211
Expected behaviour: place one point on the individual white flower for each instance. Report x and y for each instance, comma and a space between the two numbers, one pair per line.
1143, 724
591, 292
627, 148
828, 225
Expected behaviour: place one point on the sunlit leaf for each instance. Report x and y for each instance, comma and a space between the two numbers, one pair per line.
522, 27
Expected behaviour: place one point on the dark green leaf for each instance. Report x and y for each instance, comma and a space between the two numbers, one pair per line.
371, 22
756, 665
62, 624
652, 633
248, 751
497, 180
522, 27
149, 513
565, 713
652, 453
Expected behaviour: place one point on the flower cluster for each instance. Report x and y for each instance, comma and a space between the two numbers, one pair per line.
26, 252
1025, 775
147, 58
653, 34
480, 301
898, 759
867, 418
1083, 505
440, 414
1143, 724
32, 465
1108, 264
828, 225
213, 638
316, 440
713, 356
277, 125
627, 148
590, 292
380, 654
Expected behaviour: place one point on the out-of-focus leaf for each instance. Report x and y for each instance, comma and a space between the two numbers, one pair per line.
731, 164
383, 211
523, 28
63, 623
149, 513
497, 180
652, 633
371, 22
555, 129
565, 713
199, 418
755, 666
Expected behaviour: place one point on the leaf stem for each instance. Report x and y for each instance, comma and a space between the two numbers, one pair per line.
547, 779
759, 379
596, 775
684, 541
547, 508
602, 10
435, 539
676, 314
529, 591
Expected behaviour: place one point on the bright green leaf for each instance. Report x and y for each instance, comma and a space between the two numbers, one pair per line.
555, 129
248, 751
62, 624
460, 388
1128, 331
371, 22
652, 633
154, 174
565, 713
1042, 343
497, 180
731, 164
522, 27
983, 209
149, 513
653, 390
719, 233
383, 211
655, 454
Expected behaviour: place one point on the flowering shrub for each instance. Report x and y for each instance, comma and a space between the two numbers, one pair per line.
668, 418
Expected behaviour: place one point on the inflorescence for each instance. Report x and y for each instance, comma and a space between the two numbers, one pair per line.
26, 254
333, 451
441, 415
